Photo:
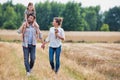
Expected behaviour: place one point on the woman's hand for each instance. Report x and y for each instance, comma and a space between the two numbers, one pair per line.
58, 36
43, 46
56, 31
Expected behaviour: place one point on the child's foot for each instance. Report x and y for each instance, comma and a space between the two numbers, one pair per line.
18, 31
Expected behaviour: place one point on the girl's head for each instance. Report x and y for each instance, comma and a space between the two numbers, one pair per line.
57, 21
30, 7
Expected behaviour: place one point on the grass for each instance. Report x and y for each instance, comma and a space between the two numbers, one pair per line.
101, 58
71, 36
79, 61
73, 73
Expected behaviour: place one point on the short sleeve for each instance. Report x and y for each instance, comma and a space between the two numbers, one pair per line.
62, 33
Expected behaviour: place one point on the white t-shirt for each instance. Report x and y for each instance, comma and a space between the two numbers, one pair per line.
55, 41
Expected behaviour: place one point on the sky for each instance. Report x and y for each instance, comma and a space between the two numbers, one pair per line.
104, 4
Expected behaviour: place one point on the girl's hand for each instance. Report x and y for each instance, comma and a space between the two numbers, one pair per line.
43, 46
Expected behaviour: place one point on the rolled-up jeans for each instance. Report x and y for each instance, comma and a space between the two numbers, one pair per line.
29, 56
57, 52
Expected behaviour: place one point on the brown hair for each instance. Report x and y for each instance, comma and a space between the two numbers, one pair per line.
31, 15
59, 20
30, 4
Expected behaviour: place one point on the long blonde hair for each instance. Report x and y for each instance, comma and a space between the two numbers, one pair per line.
30, 4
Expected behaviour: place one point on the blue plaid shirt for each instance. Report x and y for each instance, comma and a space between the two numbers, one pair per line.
26, 36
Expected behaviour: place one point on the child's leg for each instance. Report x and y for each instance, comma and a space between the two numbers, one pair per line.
20, 29
38, 30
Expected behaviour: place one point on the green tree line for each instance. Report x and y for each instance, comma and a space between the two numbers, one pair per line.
76, 17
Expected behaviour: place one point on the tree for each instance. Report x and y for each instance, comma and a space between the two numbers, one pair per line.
19, 9
9, 25
56, 9
1, 16
91, 17
8, 3
10, 17
112, 18
99, 18
43, 11
100, 21
84, 22
105, 27
72, 20
75, 17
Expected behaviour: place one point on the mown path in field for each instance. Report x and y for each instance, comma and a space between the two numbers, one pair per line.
79, 61
12, 65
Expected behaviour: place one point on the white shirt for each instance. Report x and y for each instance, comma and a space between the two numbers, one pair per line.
55, 41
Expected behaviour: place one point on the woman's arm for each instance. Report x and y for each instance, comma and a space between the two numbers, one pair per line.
46, 41
62, 36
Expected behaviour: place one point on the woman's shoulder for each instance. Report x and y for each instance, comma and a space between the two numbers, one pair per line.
61, 29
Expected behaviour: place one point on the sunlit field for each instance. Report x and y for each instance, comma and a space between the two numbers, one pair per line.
104, 37
87, 58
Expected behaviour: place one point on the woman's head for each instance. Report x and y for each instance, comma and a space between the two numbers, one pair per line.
30, 7
57, 21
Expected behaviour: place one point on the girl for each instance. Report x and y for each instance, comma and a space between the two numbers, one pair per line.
56, 34
30, 10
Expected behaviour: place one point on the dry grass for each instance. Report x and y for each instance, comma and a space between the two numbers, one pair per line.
12, 64
79, 61
99, 60
93, 36
12, 35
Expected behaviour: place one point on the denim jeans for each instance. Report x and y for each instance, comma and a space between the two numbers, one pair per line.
57, 52
29, 52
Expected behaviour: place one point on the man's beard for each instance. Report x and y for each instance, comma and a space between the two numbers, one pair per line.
30, 22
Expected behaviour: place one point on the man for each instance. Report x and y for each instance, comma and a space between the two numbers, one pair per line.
30, 33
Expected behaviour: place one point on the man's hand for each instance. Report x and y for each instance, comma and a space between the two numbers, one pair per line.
43, 46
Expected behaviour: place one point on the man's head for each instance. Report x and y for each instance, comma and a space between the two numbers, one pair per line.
30, 18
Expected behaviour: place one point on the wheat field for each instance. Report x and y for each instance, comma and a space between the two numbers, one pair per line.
79, 61
71, 36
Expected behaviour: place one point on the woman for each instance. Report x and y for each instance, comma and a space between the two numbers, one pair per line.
56, 34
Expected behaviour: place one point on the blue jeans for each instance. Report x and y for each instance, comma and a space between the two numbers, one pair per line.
57, 52
29, 52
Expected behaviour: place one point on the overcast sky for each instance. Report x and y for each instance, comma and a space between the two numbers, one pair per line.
104, 4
